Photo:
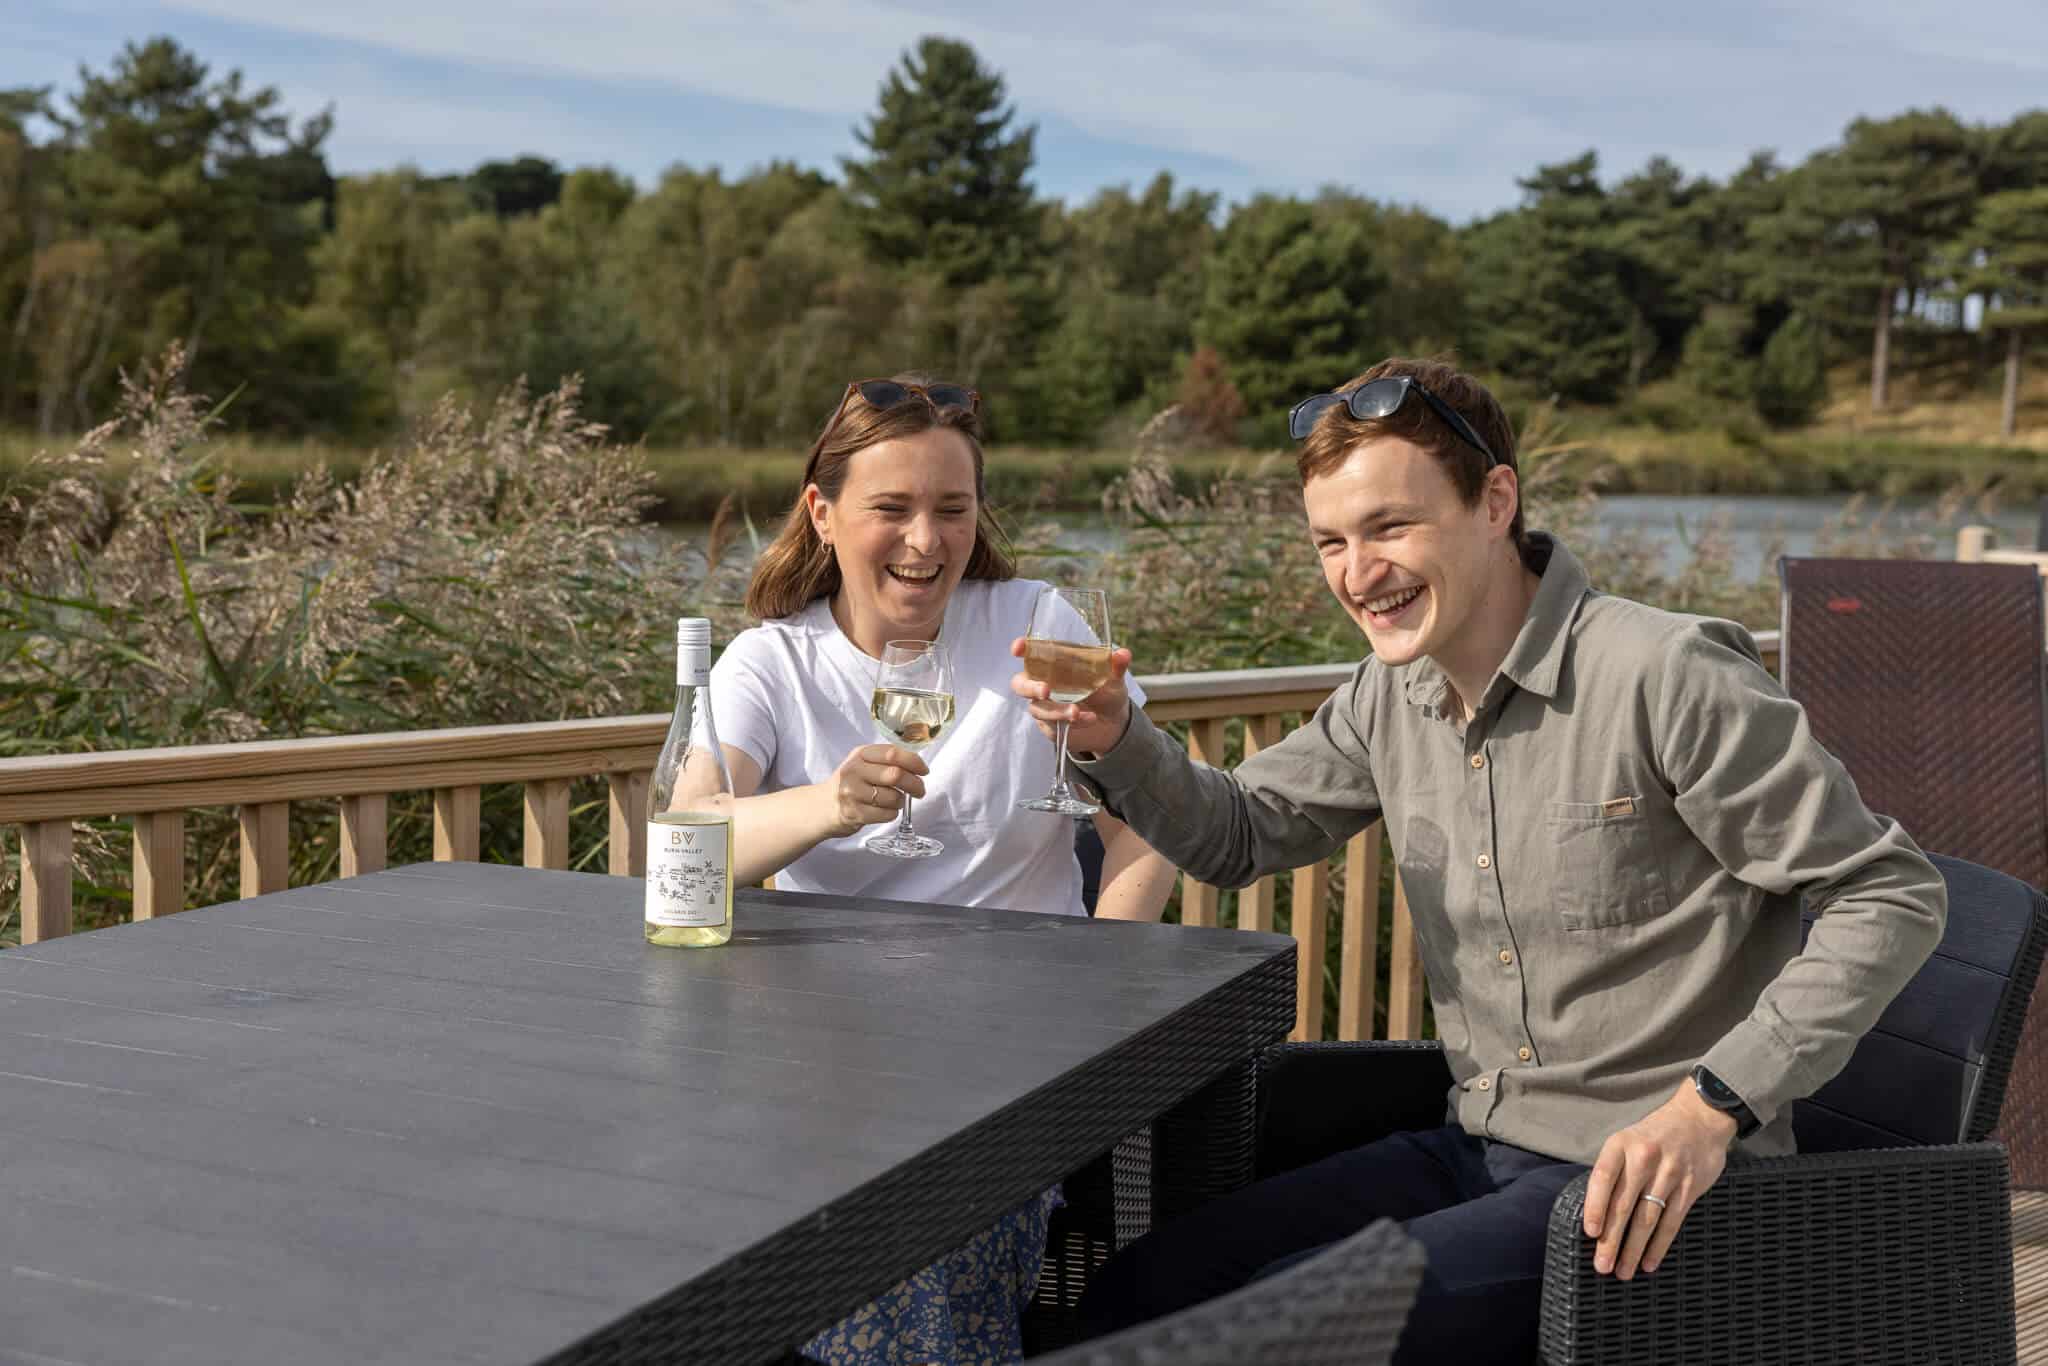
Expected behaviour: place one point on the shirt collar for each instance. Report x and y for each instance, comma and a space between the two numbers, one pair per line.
1536, 659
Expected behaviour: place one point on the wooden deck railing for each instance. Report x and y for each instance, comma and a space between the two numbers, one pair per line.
155, 788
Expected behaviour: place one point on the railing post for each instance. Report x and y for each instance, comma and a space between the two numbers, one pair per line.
1255, 903
1404, 988
1358, 966
363, 834
45, 880
1311, 927
159, 864
547, 823
266, 847
627, 847
1198, 899
455, 823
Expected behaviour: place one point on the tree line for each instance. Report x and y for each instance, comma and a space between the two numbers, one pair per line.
160, 203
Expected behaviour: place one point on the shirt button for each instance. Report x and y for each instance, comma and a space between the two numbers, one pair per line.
1485, 862
1485, 1083
1524, 1054
1506, 957
1479, 761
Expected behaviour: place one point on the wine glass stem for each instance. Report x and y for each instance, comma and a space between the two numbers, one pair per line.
1059, 772
903, 827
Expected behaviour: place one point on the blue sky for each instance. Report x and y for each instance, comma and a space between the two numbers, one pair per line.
1444, 108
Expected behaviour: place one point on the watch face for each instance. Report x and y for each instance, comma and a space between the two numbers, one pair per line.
1716, 1091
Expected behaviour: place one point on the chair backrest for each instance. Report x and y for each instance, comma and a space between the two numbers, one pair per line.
1934, 1068
1345, 1306
1925, 678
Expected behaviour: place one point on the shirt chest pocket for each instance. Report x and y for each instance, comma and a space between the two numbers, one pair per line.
1609, 872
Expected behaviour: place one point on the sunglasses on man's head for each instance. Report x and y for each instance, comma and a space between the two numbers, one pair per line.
1383, 398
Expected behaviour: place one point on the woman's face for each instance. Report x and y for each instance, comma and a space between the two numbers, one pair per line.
902, 529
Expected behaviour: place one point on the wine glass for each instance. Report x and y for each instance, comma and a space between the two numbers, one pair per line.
1067, 645
913, 704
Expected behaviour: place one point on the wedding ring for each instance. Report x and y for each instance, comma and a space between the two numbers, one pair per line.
1655, 1200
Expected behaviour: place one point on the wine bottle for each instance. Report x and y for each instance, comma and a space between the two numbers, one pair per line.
689, 806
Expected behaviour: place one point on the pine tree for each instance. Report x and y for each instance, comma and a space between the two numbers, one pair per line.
945, 184
1293, 303
2006, 256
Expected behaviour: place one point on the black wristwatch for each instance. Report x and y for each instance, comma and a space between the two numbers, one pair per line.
1722, 1097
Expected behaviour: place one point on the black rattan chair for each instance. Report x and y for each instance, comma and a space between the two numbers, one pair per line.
1926, 679
1887, 1240
1343, 1307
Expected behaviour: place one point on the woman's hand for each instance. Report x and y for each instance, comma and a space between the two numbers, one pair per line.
869, 785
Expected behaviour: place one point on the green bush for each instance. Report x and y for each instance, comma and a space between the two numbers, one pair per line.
1792, 382
494, 568
1714, 363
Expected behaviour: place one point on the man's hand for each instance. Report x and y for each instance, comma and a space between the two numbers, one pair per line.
1097, 721
1647, 1177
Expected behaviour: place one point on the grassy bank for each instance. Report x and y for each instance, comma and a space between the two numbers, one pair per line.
689, 483
1932, 440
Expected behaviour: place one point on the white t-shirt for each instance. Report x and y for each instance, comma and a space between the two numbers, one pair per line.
796, 696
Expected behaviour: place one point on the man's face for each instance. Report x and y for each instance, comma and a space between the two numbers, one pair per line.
1404, 555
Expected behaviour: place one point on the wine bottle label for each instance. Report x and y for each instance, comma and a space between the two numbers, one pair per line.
693, 666
688, 870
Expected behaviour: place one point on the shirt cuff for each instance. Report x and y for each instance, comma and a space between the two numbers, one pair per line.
1761, 1068
1124, 765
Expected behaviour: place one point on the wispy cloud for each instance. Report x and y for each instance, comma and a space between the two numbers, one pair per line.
1444, 106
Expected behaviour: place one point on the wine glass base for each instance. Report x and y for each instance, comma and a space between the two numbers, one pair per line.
897, 845
1060, 806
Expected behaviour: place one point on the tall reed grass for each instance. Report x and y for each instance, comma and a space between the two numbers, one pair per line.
499, 565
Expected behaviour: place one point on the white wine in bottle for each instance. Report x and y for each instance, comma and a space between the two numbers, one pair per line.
689, 836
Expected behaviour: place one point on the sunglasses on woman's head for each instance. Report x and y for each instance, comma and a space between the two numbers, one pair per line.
884, 394
1383, 398
887, 393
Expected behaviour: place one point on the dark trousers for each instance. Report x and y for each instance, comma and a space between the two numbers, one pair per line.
1479, 1209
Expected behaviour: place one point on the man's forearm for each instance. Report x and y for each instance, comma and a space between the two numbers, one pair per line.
1228, 828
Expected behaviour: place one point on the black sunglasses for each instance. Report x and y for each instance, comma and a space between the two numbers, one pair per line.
1383, 398
882, 394
887, 393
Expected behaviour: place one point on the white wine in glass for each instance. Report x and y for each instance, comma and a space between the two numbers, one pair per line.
912, 707
1067, 647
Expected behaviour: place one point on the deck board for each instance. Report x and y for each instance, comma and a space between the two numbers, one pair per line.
2030, 1274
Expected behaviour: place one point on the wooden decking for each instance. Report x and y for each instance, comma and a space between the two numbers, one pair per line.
2030, 1274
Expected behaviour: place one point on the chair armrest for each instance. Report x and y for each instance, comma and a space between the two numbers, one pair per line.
1903, 1254
1316, 1099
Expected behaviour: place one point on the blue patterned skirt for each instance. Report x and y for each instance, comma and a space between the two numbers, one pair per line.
965, 1310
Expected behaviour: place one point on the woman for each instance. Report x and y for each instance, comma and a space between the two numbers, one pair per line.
891, 539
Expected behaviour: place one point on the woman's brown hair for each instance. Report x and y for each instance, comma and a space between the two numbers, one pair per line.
797, 568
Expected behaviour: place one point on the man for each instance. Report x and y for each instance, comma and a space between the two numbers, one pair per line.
1606, 817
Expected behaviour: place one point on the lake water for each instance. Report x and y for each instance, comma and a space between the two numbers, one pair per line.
1755, 526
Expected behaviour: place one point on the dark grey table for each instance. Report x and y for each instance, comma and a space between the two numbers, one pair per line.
462, 1113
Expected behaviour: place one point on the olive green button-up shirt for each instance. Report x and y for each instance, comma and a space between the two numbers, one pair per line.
1605, 866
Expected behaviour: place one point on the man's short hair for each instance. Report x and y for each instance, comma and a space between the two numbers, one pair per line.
1337, 433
